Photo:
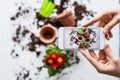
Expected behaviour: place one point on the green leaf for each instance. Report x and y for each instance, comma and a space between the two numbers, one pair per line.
48, 51
80, 30
66, 56
51, 46
45, 66
58, 50
82, 43
51, 72
43, 61
66, 64
45, 56
60, 69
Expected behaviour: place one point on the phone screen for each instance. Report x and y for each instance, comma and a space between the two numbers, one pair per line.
85, 38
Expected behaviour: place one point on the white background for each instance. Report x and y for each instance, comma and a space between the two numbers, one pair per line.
82, 71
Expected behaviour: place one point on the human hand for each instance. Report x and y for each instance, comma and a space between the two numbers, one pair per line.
105, 63
107, 19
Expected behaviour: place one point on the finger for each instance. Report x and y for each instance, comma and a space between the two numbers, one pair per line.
107, 36
110, 34
92, 53
85, 54
89, 58
93, 20
108, 51
110, 25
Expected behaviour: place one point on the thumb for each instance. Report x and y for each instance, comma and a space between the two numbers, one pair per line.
110, 25
108, 51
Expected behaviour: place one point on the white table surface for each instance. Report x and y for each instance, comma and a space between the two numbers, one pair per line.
82, 71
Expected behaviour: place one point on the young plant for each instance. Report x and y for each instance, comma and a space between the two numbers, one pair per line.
55, 60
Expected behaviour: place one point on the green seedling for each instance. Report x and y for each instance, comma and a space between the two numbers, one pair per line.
80, 30
46, 8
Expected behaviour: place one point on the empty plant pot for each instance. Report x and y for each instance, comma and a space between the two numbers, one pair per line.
88, 41
47, 34
66, 18
80, 38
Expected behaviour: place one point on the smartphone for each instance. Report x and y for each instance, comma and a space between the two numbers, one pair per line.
80, 38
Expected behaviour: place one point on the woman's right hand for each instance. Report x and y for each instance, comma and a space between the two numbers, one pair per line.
107, 19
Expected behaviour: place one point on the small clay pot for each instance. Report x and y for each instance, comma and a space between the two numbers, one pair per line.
47, 34
88, 41
80, 38
66, 18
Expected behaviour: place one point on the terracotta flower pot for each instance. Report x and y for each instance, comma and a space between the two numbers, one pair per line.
88, 41
47, 34
66, 18
80, 38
